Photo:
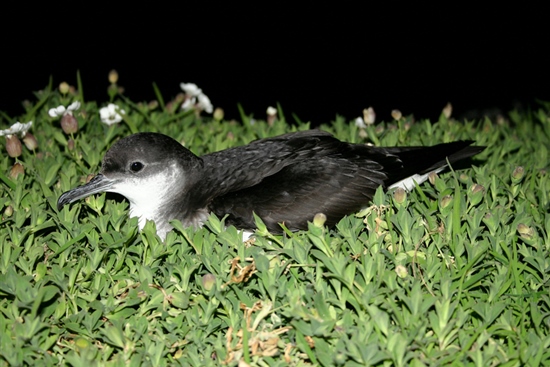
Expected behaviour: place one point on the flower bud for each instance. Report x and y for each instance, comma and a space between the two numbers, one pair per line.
396, 114
69, 124
64, 87
8, 212
445, 205
477, 188
400, 197
525, 231
475, 194
30, 142
369, 116
113, 76
432, 176
319, 220
218, 114
82, 344
401, 271
447, 110
16, 170
13, 146
518, 174
208, 281
463, 177
70, 144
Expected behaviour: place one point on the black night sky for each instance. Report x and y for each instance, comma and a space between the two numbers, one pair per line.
316, 62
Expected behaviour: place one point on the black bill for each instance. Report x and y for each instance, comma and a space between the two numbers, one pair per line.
96, 185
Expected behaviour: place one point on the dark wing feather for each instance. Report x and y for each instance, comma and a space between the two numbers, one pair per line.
296, 193
241, 167
335, 182
290, 178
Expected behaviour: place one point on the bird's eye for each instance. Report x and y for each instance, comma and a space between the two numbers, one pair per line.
136, 166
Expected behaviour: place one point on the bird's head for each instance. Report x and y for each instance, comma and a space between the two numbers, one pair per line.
144, 168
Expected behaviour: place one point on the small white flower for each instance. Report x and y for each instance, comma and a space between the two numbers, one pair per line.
204, 103
57, 111
271, 111
191, 89
189, 103
17, 128
360, 123
62, 111
195, 98
271, 115
111, 114
369, 115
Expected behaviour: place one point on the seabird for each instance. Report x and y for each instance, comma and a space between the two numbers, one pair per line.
285, 179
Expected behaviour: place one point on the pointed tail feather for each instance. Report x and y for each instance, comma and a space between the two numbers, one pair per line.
419, 162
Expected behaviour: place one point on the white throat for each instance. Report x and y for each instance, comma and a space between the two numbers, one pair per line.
148, 195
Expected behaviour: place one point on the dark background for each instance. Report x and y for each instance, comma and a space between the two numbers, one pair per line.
316, 61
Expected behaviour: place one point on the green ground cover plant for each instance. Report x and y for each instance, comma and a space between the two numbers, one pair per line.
454, 273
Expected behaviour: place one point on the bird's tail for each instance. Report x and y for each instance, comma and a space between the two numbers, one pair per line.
420, 161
